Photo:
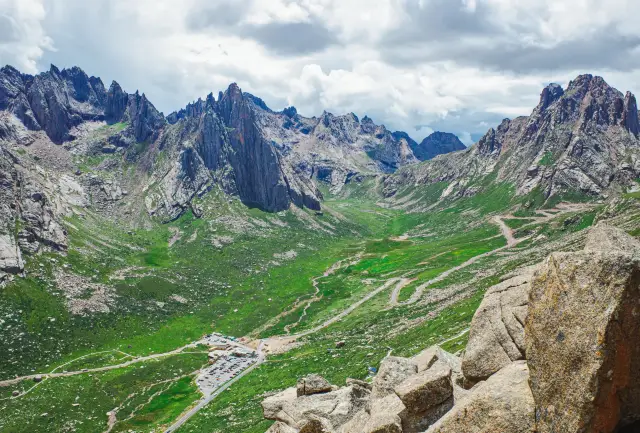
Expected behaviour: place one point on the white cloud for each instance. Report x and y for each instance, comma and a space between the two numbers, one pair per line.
22, 38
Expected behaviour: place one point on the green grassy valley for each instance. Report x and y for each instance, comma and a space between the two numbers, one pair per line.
415, 278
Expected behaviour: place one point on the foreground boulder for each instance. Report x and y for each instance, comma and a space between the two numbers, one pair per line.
399, 399
583, 334
326, 410
280, 427
426, 396
501, 404
393, 371
496, 337
312, 384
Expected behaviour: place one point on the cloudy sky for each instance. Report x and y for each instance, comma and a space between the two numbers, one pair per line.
415, 65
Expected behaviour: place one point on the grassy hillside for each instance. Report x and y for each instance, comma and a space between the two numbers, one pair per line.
243, 272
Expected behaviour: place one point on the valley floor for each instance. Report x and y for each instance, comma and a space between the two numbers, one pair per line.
300, 292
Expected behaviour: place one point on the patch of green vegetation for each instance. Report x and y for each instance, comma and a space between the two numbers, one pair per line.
516, 223
547, 159
83, 400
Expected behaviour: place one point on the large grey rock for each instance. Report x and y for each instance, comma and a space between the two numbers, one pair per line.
496, 337
382, 416
312, 384
271, 406
582, 336
426, 397
334, 408
316, 424
393, 371
10, 255
425, 359
503, 403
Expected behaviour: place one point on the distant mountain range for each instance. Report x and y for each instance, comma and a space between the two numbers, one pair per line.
582, 141
268, 157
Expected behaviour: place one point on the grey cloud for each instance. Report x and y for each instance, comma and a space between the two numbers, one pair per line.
7, 31
291, 38
607, 49
285, 39
443, 31
217, 14
440, 20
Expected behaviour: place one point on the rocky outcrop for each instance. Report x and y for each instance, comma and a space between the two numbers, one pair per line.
581, 336
330, 409
496, 337
393, 371
116, 105
437, 143
503, 403
426, 396
145, 121
61, 100
333, 149
54, 101
28, 221
258, 173
13, 97
400, 399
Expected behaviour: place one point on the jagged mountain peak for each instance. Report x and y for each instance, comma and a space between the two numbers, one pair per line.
582, 140
549, 95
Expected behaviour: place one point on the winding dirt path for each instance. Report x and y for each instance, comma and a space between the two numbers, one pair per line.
507, 232
42, 376
330, 271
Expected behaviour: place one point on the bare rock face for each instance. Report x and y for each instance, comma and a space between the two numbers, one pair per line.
581, 140
10, 255
13, 97
496, 337
27, 218
582, 336
393, 371
328, 410
116, 105
425, 359
503, 403
312, 384
426, 396
63, 99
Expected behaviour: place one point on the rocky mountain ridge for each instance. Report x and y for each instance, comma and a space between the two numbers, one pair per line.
269, 159
582, 140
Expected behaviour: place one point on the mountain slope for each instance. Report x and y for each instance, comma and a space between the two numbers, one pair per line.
581, 142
